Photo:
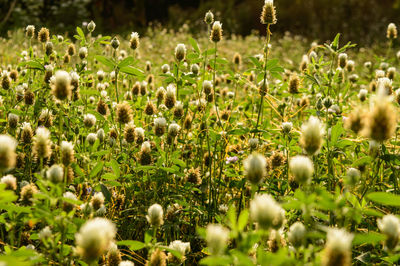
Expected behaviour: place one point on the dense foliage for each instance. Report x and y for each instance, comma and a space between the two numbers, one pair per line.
174, 149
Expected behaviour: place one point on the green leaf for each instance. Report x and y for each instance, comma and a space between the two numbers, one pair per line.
96, 169
115, 167
106, 192
335, 43
232, 216
33, 65
126, 62
105, 61
194, 44
80, 32
109, 176
213, 260
132, 244
243, 219
132, 71
336, 132
385, 198
368, 238
255, 61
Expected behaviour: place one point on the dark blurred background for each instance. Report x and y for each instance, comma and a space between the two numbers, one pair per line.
362, 21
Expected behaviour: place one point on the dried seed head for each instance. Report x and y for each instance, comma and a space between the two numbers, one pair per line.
302, 169
389, 225
139, 135
391, 31
356, 120
158, 258
193, 176
178, 110
287, 127
180, 52
266, 212
237, 59
43, 35
337, 248
49, 48
13, 120
294, 83
352, 177
297, 233
94, 238
209, 17
71, 49
42, 143
182, 248
216, 32
26, 133
89, 120
217, 238
165, 68
207, 87
170, 97
10, 181
55, 174
188, 122
155, 215
124, 113
13, 75
45, 118
91, 138
173, 130
91, 26
129, 132
381, 120
255, 168
83, 52
29, 97
268, 15
195, 69
27, 193
342, 62
67, 153
102, 107
150, 109
61, 88
30, 31
312, 133
113, 255
134, 41
97, 201
159, 126
362, 94
5, 82
115, 43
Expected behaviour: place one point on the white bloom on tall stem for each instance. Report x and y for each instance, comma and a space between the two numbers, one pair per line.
94, 238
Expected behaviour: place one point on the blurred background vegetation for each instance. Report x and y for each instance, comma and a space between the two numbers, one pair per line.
362, 21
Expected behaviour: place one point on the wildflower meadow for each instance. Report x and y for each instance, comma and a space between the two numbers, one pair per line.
172, 148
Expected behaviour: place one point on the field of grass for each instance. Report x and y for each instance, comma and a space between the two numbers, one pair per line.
172, 149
